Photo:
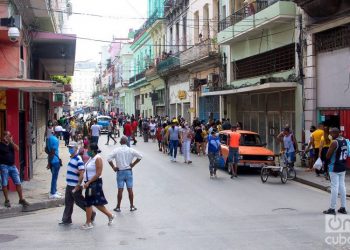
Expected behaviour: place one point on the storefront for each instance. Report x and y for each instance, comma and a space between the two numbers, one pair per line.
180, 100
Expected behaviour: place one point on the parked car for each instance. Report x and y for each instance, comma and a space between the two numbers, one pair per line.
252, 151
103, 121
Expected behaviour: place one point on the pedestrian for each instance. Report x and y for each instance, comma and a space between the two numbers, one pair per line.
226, 125
325, 143
173, 137
316, 142
134, 125
159, 136
8, 168
186, 135
73, 128
310, 149
95, 132
83, 151
198, 139
289, 145
128, 131
233, 155
54, 164
152, 129
74, 179
124, 157
58, 131
214, 151
94, 195
145, 130
337, 155
110, 133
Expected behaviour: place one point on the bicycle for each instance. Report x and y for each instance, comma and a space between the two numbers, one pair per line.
286, 170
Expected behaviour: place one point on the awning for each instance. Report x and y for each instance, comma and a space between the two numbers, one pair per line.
266, 87
30, 85
55, 51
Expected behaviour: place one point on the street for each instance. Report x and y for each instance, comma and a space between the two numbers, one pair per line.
180, 207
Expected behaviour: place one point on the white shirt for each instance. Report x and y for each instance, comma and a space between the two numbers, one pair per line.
90, 168
58, 128
123, 156
95, 130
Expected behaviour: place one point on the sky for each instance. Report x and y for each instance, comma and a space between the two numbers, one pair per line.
120, 16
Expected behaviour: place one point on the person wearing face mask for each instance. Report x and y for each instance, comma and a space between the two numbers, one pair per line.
75, 175
186, 135
94, 195
8, 168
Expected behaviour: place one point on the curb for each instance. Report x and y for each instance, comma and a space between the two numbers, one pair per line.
17, 210
315, 185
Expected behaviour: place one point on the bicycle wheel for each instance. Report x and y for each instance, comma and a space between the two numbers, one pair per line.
291, 173
264, 175
284, 175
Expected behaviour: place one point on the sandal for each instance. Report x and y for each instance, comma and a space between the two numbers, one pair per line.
133, 208
117, 209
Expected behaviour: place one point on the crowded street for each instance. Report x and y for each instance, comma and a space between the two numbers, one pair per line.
180, 207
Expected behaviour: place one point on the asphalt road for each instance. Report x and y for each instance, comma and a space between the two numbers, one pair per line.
180, 207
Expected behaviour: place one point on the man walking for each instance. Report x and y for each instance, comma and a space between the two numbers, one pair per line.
173, 136
337, 155
54, 165
110, 133
124, 157
95, 132
233, 155
75, 176
127, 130
8, 168
315, 141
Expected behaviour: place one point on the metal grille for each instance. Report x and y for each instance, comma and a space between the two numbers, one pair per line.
265, 63
333, 39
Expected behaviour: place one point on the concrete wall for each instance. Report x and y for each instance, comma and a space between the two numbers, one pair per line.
333, 86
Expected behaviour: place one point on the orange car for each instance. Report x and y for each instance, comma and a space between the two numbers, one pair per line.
252, 152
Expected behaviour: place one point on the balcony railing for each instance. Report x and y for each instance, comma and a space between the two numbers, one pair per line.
246, 11
201, 50
171, 62
137, 77
146, 25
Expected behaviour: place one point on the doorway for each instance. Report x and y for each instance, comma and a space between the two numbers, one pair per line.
274, 128
22, 144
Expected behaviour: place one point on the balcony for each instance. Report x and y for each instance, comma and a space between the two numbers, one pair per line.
321, 8
154, 17
171, 63
137, 77
253, 18
198, 53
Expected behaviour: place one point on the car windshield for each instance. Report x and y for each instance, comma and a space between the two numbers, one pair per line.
250, 140
103, 119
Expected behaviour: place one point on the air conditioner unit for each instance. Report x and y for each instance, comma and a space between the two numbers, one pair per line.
22, 69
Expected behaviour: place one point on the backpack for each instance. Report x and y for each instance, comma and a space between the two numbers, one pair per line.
213, 147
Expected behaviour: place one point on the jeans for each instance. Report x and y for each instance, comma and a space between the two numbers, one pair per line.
173, 147
128, 143
69, 200
9, 171
337, 186
109, 135
94, 139
212, 157
186, 148
55, 168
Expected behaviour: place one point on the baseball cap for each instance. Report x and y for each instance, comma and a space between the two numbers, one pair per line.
73, 144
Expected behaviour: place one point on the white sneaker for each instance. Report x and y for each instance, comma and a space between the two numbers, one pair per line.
58, 193
54, 196
87, 226
110, 220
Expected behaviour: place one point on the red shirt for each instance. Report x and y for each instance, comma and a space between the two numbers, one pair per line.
134, 125
127, 129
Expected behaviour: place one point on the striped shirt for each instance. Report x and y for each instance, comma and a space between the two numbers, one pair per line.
75, 164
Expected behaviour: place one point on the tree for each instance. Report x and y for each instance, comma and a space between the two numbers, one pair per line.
62, 79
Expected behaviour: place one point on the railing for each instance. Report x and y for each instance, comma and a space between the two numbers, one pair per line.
171, 62
246, 11
146, 25
137, 77
196, 52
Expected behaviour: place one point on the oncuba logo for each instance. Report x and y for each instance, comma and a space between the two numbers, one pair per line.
337, 224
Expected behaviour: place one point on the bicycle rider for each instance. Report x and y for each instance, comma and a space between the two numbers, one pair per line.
289, 145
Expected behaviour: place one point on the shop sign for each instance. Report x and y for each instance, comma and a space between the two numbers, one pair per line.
182, 94
191, 110
2, 99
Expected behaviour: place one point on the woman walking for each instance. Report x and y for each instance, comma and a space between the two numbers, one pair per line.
186, 135
326, 141
198, 139
94, 195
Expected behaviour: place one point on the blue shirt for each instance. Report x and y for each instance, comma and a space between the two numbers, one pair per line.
74, 166
52, 144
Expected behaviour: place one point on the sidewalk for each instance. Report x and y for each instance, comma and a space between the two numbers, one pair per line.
36, 191
310, 179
